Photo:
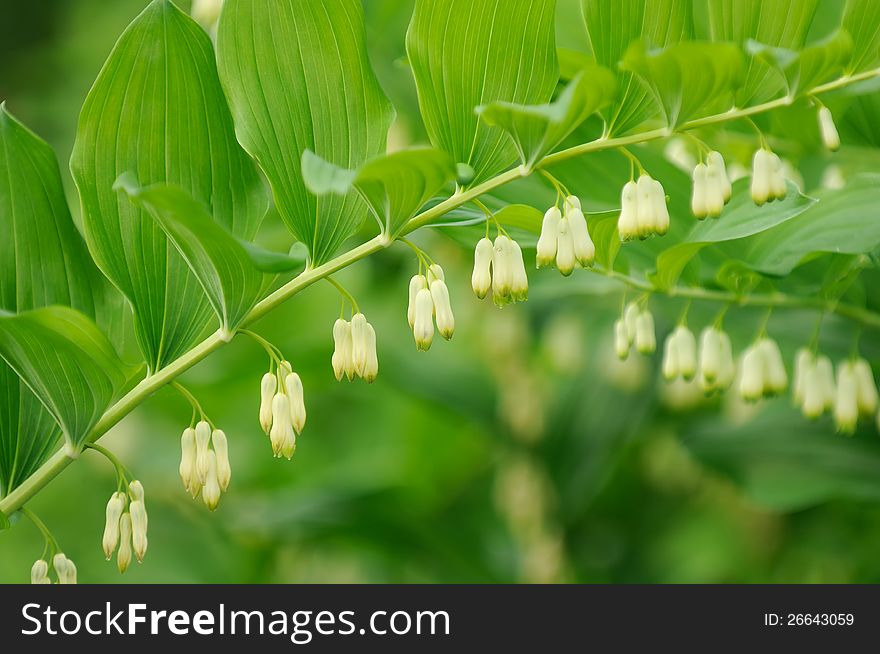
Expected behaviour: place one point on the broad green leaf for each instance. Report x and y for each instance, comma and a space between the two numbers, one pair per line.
157, 110
781, 23
612, 26
467, 53
67, 363
740, 219
43, 261
230, 271
467, 225
843, 221
536, 130
861, 19
688, 78
394, 186
297, 76
806, 69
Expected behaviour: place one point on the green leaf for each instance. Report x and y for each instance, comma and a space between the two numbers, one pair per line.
688, 78
466, 53
297, 76
43, 261
843, 221
785, 24
603, 230
467, 226
231, 275
67, 363
394, 186
810, 67
612, 26
741, 219
537, 129
861, 19
158, 111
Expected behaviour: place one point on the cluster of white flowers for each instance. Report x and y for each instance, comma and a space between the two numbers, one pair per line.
354, 355
856, 394
768, 179
282, 409
712, 187
763, 371
813, 389
717, 368
642, 209
680, 354
828, 129
429, 301
499, 267
635, 327
565, 238
65, 570
126, 526
204, 463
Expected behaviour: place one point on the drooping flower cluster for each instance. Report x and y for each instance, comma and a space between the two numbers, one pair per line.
282, 408
354, 354
65, 570
680, 354
126, 526
828, 130
204, 463
712, 187
498, 267
717, 368
768, 179
565, 238
856, 394
429, 301
643, 209
763, 371
813, 389
636, 327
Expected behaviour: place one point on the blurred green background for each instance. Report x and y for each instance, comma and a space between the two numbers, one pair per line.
522, 451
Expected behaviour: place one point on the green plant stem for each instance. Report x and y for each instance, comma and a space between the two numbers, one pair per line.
60, 460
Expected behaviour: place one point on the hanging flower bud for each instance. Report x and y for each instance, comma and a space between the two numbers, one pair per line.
64, 568
645, 206
825, 373
661, 212
630, 314
670, 357
803, 362
211, 491
714, 192
111, 525
187, 467
698, 200
40, 572
867, 388
282, 428
751, 382
628, 223
565, 258
546, 250
645, 340
775, 376
502, 270
358, 342
846, 403
284, 369
622, 341
341, 354
138, 513
296, 397
268, 384
423, 330
221, 455
123, 556
481, 279
435, 272
761, 177
443, 309
416, 284
519, 288
715, 161
830, 137
371, 370
203, 437
687, 352
710, 357
778, 188
584, 249
727, 372
813, 392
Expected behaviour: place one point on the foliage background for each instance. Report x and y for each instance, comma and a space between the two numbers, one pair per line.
519, 452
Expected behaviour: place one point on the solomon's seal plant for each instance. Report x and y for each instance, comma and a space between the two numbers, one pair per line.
189, 130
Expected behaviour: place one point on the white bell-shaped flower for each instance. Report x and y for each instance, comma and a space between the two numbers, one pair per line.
646, 339
203, 439
628, 222
828, 129
40, 572
565, 257
268, 384
481, 279
761, 174
371, 370
661, 211
775, 376
645, 205
282, 427
211, 492
416, 284
714, 192
519, 287
187, 468
547, 242
630, 314
778, 188
423, 329
502, 270
804, 360
296, 398
715, 161
221, 456
685, 352
670, 358
342, 343
622, 339
698, 199
751, 383
584, 249
64, 568
358, 343
123, 556
113, 513
442, 309
846, 402
867, 387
